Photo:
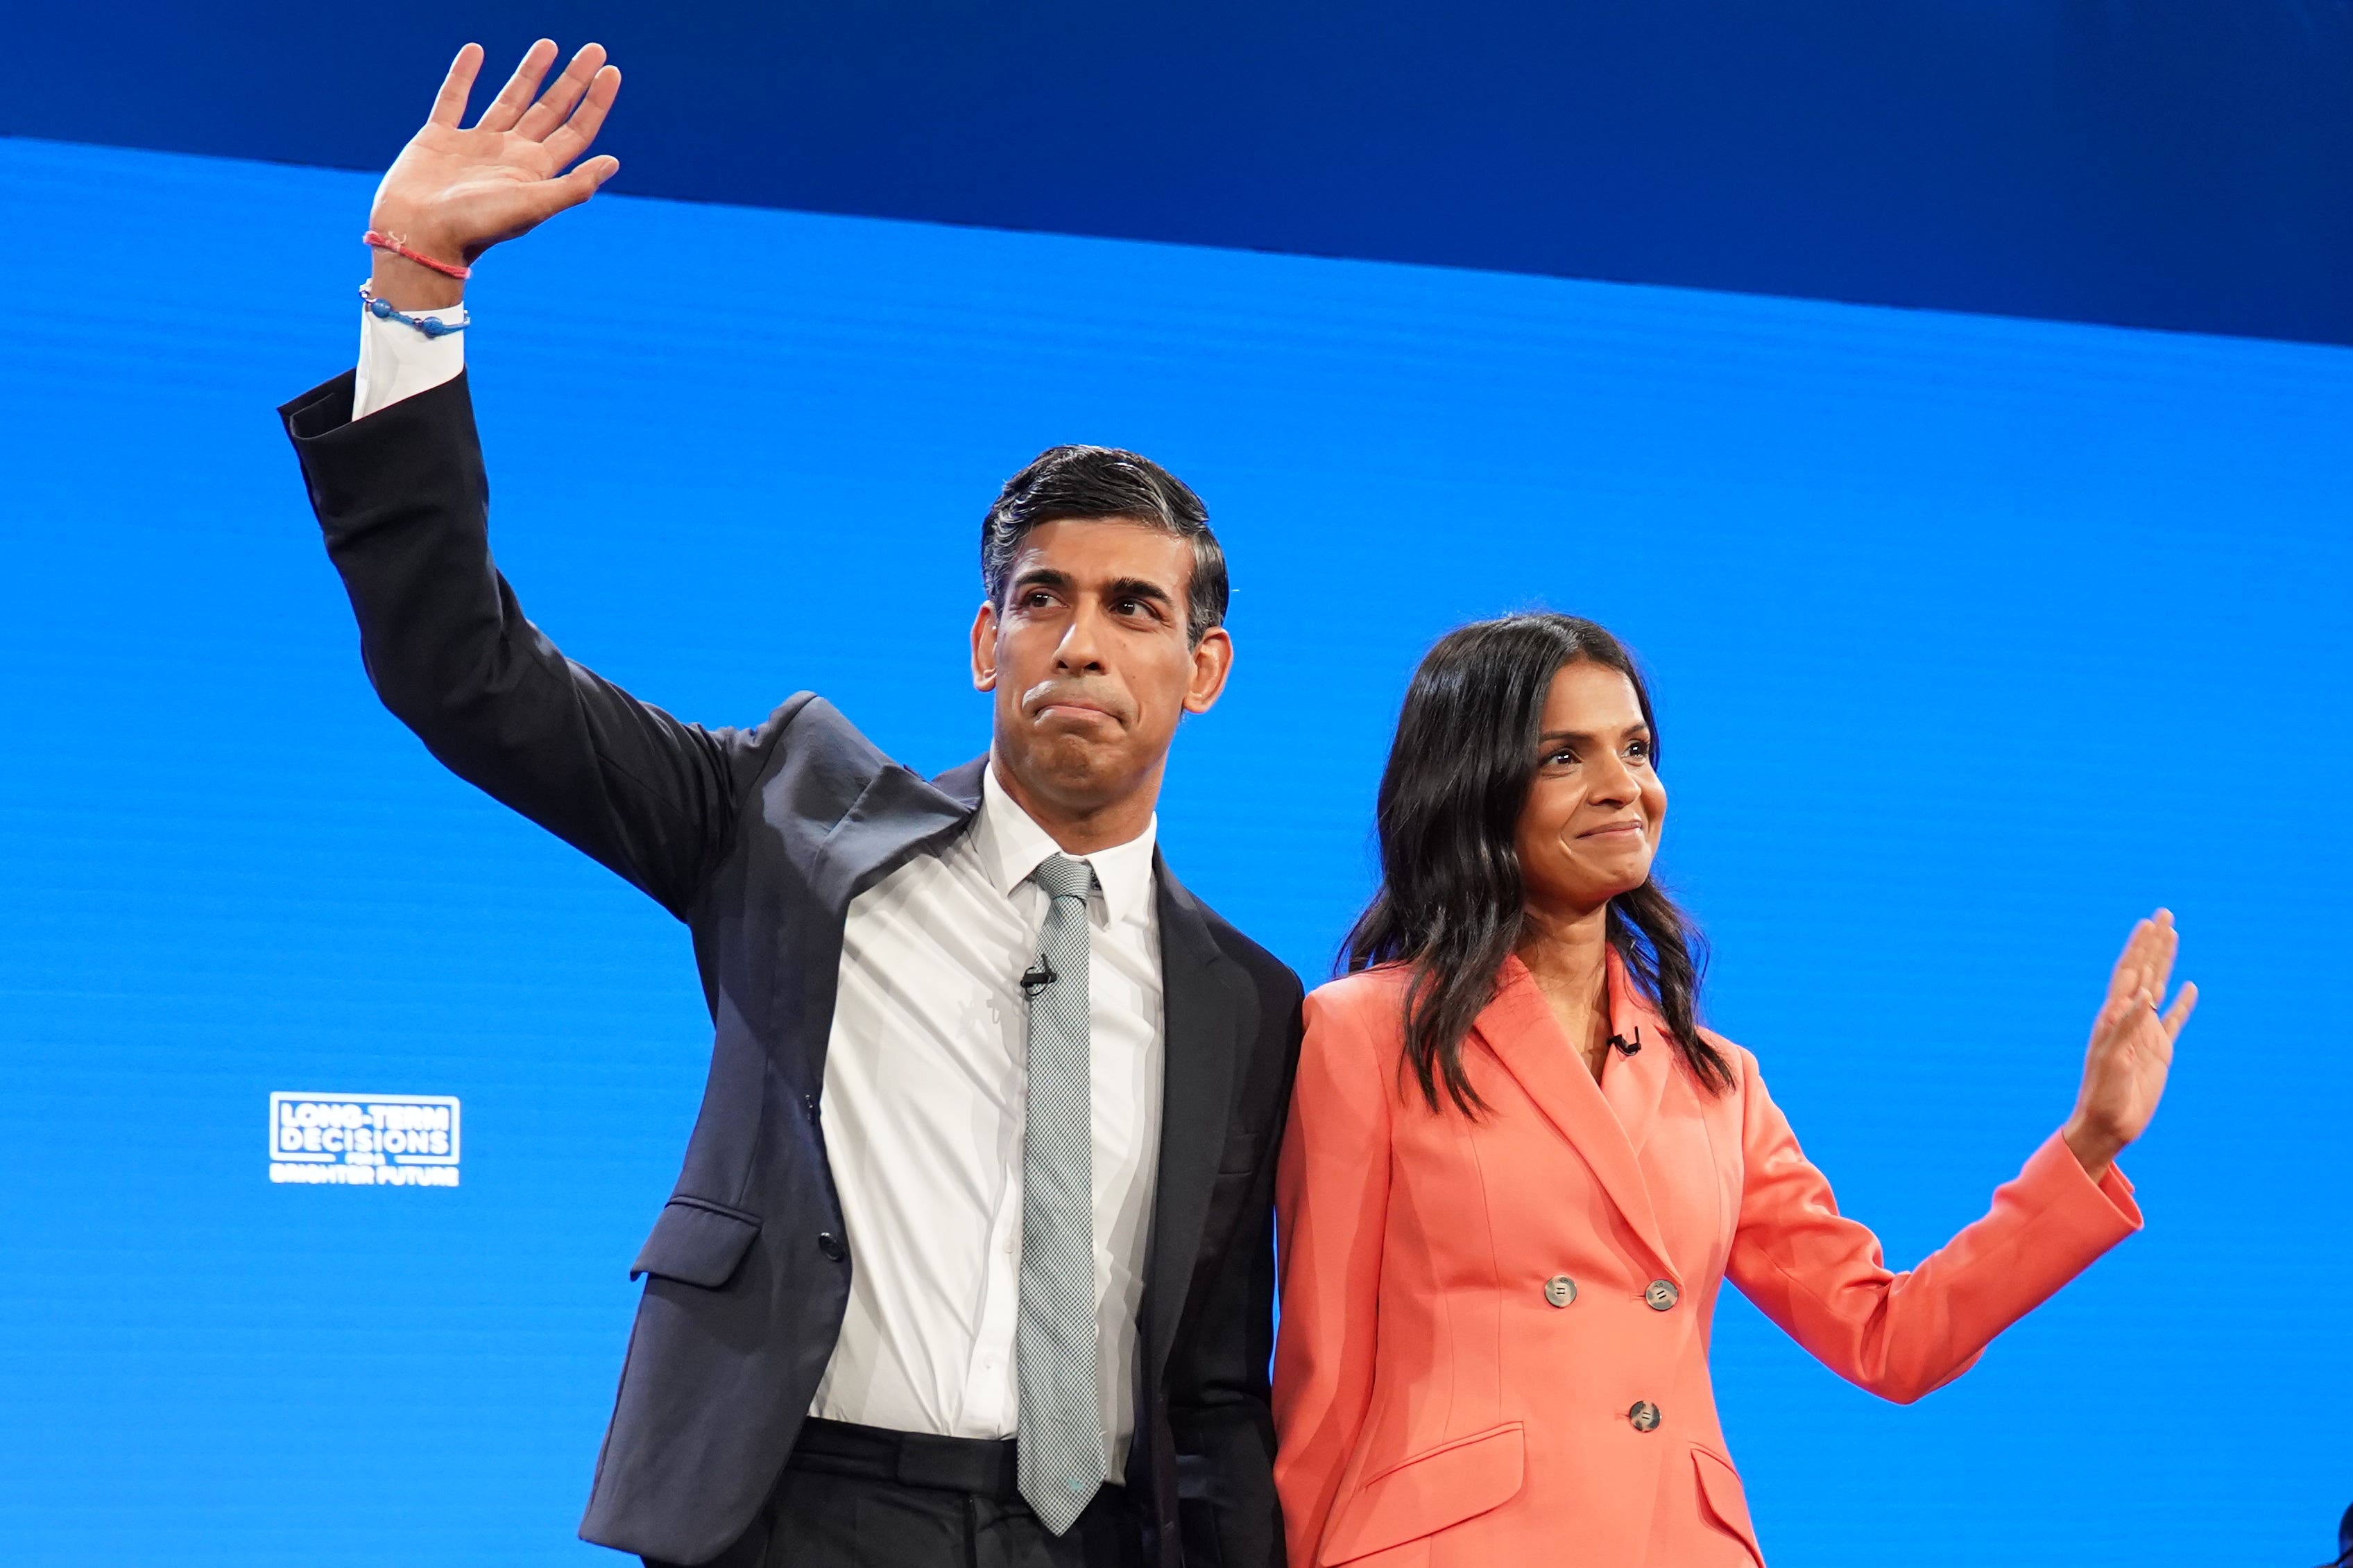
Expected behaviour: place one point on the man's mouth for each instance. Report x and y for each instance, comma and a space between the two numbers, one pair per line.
1080, 709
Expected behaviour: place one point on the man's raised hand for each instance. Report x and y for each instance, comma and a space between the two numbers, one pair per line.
454, 193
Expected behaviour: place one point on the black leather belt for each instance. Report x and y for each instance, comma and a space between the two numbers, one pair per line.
983, 1467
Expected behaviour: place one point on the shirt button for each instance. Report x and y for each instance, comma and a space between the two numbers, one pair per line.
1661, 1296
1560, 1289
830, 1245
1644, 1415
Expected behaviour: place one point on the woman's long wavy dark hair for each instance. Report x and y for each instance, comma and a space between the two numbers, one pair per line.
1451, 902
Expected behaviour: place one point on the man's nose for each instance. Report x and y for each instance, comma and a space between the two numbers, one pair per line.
1079, 650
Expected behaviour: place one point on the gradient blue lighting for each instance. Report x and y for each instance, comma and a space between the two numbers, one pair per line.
1973, 639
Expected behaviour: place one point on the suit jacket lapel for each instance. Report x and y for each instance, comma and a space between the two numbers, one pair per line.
1208, 1007
1521, 1030
1633, 1084
898, 815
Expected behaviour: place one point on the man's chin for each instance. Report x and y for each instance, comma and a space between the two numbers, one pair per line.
1075, 767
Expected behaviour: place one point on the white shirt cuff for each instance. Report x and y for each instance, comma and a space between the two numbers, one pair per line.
396, 361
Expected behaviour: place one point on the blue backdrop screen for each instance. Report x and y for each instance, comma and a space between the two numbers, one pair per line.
1973, 639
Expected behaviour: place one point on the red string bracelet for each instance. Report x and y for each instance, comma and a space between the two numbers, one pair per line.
387, 242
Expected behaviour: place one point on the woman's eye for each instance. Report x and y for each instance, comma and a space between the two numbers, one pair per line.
1640, 751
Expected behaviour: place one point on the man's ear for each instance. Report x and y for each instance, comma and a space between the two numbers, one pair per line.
984, 649
1213, 661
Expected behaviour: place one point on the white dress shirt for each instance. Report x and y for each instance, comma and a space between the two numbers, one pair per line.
926, 1083
924, 1095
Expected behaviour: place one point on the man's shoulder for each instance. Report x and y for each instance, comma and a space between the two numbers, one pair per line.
808, 737
1272, 977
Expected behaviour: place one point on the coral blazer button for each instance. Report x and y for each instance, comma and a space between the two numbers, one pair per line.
1644, 1415
1661, 1295
1560, 1289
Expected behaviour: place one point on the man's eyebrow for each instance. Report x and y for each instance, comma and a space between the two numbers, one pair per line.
1137, 589
1041, 577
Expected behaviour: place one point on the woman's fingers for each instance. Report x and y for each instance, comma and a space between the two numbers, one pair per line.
515, 97
2178, 1014
558, 102
2124, 979
2163, 952
571, 139
449, 103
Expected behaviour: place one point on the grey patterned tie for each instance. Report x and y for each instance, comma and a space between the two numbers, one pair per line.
1061, 1436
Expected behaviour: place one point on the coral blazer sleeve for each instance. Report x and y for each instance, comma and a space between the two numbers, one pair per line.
1819, 1275
1332, 1204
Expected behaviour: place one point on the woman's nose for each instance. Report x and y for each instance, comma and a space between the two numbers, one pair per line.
1614, 782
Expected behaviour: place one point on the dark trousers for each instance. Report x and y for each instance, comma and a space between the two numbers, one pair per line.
859, 1497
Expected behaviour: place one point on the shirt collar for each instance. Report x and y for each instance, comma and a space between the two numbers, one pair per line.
1011, 845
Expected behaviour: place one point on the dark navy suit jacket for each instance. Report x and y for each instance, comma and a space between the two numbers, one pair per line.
758, 839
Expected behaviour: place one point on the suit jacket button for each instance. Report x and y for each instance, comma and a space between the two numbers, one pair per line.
1644, 1415
1661, 1295
830, 1245
1560, 1289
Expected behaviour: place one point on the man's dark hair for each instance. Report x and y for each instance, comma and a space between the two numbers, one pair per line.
1101, 482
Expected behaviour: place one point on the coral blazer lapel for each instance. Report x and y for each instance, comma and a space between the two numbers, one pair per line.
1533, 1047
1633, 1084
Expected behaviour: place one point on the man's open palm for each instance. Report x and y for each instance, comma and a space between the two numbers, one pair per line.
454, 193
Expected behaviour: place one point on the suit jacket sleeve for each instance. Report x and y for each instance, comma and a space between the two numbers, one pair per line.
1221, 1415
1332, 1206
1901, 1335
403, 502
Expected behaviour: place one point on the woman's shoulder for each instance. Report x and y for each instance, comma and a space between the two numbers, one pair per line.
1355, 1032
1369, 994
1746, 1075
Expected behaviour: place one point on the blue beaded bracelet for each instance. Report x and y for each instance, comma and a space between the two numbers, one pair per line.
431, 326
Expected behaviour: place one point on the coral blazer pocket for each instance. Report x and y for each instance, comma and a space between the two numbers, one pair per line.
1423, 1495
1725, 1500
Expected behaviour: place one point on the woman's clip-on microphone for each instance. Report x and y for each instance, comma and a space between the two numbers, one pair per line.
1623, 1046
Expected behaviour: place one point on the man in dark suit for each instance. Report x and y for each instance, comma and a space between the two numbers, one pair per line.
969, 1260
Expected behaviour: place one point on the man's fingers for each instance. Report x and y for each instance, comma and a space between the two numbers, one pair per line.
515, 97
562, 94
572, 138
551, 196
2183, 1005
449, 104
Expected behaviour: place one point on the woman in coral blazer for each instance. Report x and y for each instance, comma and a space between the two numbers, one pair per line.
1517, 1172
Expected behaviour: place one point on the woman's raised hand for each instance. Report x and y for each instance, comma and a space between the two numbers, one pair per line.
2131, 1049
453, 192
